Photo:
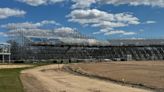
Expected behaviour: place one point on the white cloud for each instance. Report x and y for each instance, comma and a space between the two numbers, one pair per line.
82, 3
159, 3
134, 38
65, 30
64, 34
34, 29
3, 34
101, 18
107, 22
28, 25
29, 32
88, 3
11, 26
7, 12
119, 32
68, 32
150, 22
40, 2
45, 22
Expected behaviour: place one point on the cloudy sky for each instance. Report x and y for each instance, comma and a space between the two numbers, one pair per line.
101, 19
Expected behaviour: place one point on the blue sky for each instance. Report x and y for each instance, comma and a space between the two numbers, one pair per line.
101, 19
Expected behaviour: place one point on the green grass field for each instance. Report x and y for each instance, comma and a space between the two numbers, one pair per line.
10, 81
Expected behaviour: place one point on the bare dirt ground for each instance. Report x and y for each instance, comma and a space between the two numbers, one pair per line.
7, 66
51, 78
147, 74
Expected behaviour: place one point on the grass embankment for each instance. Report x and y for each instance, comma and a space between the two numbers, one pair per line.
10, 78
10, 81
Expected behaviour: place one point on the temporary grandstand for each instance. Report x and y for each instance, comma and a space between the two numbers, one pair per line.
40, 45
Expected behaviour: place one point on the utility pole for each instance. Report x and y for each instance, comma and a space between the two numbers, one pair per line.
3, 58
9, 51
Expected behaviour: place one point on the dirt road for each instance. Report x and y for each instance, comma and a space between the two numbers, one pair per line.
52, 79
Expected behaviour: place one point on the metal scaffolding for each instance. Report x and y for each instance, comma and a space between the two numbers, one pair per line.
40, 45
5, 51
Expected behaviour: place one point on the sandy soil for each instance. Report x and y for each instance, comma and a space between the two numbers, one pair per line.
51, 78
146, 74
13, 66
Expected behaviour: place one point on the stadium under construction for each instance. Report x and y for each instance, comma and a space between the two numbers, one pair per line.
27, 46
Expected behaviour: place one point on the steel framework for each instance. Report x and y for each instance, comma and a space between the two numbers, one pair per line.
5, 51
48, 45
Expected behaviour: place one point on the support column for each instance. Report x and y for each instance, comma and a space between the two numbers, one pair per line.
9, 59
3, 58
